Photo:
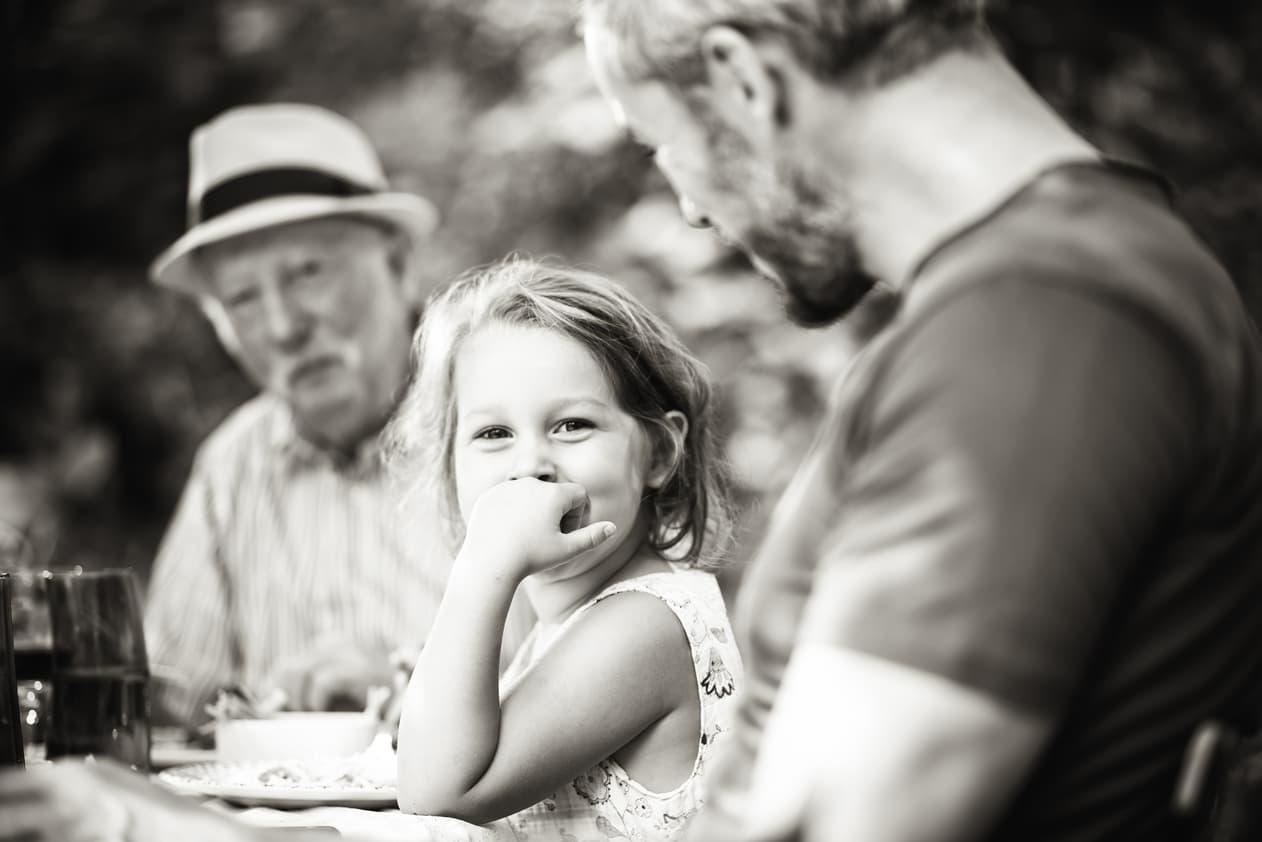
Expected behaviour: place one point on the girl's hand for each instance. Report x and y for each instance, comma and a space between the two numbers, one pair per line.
523, 526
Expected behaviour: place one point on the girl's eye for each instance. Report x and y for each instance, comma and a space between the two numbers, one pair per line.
573, 425
491, 434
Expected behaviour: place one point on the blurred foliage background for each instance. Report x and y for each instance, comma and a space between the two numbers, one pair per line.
485, 106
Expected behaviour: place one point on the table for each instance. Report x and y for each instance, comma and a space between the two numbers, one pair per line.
371, 825
105, 802
368, 825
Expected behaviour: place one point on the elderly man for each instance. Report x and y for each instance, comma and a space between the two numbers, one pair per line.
1024, 558
286, 564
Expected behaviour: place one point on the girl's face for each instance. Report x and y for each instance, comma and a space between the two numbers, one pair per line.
534, 402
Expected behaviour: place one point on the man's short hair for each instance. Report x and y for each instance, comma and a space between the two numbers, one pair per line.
867, 42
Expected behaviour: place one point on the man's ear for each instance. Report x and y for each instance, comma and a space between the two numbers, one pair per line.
747, 78
668, 448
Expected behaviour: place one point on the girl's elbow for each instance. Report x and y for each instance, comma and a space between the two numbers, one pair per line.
420, 801
443, 804
429, 787
425, 791
419, 804
417, 795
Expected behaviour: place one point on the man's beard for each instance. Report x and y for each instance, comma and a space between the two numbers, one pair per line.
806, 245
799, 237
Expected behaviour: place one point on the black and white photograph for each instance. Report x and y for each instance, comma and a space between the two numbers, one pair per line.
645, 420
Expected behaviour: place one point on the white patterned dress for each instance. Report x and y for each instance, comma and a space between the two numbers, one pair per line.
604, 802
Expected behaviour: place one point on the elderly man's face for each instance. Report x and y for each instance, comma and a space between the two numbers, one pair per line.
321, 318
795, 231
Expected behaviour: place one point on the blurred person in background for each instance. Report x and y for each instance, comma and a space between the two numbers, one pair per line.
1022, 562
286, 564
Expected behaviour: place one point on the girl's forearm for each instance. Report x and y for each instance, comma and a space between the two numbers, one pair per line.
449, 728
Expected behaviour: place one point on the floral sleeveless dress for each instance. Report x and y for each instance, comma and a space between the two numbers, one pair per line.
604, 802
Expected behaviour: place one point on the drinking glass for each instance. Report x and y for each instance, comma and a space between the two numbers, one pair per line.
11, 753
100, 671
33, 656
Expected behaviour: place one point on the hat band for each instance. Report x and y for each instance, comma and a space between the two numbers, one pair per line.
269, 184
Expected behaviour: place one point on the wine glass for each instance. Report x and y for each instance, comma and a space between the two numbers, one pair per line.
32, 655
11, 753
100, 671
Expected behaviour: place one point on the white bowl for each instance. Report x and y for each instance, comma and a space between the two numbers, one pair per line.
294, 736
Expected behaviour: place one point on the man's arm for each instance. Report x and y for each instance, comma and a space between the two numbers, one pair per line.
903, 755
187, 627
769, 609
1014, 457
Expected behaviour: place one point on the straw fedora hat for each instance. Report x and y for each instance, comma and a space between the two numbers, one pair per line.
260, 166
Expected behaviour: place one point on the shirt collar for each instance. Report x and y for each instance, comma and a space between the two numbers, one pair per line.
297, 454
1133, 170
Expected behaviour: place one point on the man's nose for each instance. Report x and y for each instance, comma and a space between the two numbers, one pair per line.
284, 319
532, 458
693, 215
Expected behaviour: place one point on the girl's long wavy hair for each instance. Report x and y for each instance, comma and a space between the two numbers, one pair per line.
650, 369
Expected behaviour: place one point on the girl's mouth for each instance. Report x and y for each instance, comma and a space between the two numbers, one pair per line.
575, 518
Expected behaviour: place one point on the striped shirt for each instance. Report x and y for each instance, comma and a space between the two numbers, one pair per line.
274, 546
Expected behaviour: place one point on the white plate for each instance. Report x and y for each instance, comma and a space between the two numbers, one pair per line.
303, 784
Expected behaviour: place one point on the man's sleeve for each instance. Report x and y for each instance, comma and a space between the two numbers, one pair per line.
187, 627
1016, 455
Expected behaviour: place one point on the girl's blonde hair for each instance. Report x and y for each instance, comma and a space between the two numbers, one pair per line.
651, 371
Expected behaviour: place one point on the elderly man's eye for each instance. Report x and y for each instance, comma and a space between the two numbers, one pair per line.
309, 268
238, 299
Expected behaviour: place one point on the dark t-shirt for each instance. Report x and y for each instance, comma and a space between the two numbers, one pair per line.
1044, 482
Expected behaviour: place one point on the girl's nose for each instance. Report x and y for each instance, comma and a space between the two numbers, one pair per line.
532, 460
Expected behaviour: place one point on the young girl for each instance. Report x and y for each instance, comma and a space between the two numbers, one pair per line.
571, 434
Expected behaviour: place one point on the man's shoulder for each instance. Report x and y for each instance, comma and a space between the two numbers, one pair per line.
248, 433
1104, 236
